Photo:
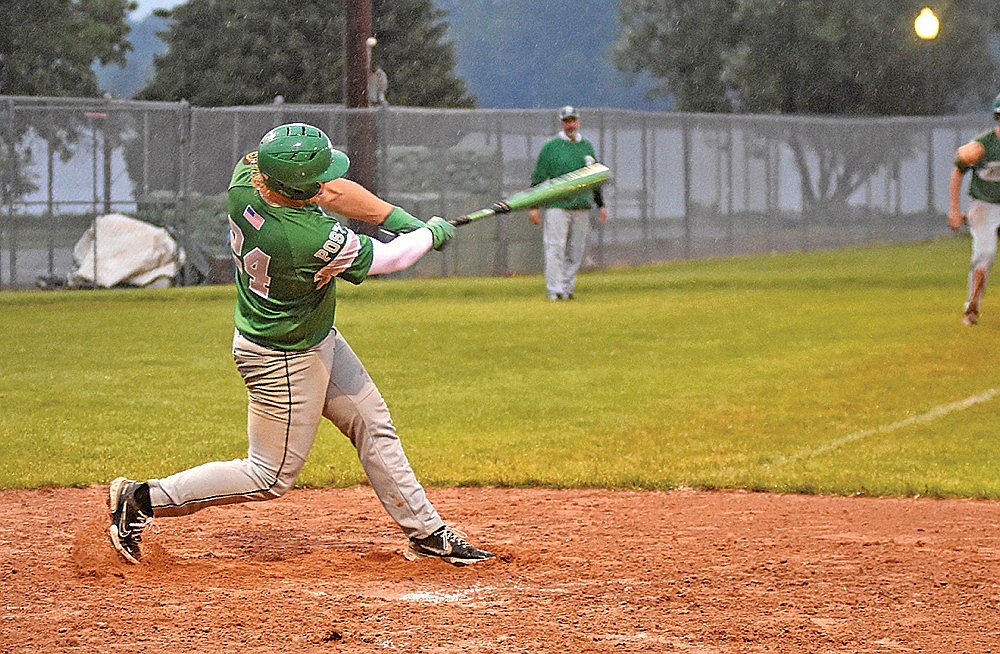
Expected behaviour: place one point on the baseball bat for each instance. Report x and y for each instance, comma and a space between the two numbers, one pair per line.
581, 179
556, 188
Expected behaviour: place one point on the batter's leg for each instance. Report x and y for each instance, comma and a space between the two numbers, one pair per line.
356, 407
286, 393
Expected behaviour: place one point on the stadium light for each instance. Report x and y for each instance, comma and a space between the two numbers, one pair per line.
926, 24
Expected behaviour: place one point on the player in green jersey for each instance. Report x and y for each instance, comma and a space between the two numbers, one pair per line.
297, 367
982, 157
567, 221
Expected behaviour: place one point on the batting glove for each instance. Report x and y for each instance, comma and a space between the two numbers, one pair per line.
441, 231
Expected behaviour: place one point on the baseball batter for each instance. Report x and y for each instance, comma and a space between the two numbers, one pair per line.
297, 367
982, 157
567, 221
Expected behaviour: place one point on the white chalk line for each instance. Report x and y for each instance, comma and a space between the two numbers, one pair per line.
923, 418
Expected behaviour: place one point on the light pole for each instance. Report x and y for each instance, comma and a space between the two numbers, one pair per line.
927, 26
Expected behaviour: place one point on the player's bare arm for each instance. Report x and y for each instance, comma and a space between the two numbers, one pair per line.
352, 200
966, 157
955, 217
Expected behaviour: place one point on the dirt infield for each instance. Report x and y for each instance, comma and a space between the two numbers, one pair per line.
578, 571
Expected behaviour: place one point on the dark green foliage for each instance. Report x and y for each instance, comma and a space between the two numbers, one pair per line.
244, 52
15, 182
813, 56
47, 47
682, 44
413, 51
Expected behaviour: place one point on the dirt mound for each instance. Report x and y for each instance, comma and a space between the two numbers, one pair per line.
577, 571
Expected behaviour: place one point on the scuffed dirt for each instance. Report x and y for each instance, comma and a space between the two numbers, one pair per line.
320, 570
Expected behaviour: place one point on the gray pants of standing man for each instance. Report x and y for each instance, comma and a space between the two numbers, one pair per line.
565, 234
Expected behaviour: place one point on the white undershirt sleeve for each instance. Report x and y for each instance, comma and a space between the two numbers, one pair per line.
401, 252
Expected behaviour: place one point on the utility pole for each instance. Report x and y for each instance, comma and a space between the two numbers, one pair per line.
361, 145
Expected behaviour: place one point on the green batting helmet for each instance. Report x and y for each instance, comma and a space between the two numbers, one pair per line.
295, 158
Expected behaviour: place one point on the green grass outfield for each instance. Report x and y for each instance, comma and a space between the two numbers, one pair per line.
832, 372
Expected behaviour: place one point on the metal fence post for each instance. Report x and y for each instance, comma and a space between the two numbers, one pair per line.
601, 153
7, 225
686, 177
107, 154
643, 192
730, 220
184, 172
502, 253
930, 169
49, 206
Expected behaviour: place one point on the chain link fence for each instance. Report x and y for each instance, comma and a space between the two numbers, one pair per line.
684, 185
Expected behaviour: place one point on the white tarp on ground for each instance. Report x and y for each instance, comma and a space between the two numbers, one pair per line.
127, 251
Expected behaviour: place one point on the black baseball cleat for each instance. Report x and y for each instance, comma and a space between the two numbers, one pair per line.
131, 512
448, 545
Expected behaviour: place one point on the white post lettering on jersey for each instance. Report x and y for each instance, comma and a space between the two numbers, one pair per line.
334, 243
341, 262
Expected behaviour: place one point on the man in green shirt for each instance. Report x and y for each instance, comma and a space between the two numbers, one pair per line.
296, 365
982, 157
567, 221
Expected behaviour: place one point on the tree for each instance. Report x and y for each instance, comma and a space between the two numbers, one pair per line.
810, 56
413, 52
47, 47
683, 44
815, 57
236, 52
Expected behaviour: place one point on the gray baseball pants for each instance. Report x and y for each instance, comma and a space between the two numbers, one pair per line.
984, 220
289, 393
564, 235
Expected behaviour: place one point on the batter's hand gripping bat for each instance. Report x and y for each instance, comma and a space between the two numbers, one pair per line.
556, 188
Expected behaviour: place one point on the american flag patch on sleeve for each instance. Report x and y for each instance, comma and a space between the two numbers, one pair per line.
254, 218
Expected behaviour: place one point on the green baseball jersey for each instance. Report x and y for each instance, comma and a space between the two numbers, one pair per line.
985, 183
286, 260
560, 156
